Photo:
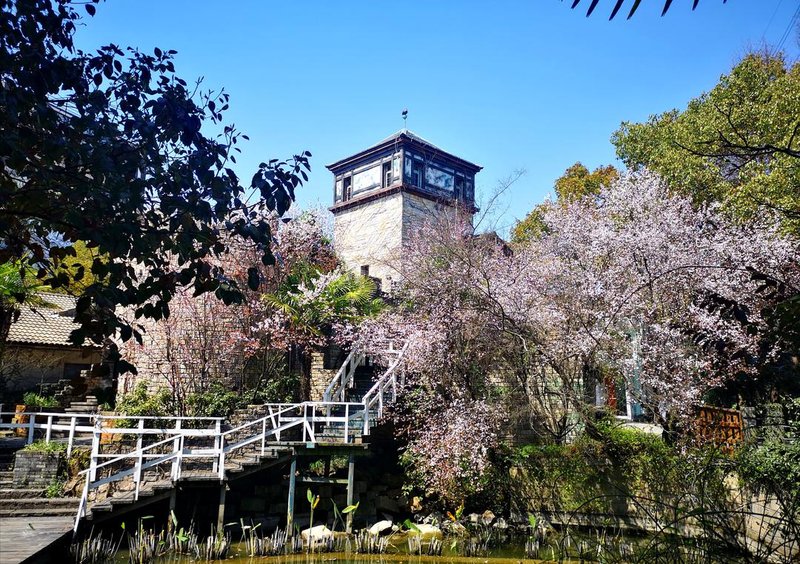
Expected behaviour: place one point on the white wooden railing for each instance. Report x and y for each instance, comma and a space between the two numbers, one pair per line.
344, 378
50, 424
82, 427
203, 443
284, 425
384, 390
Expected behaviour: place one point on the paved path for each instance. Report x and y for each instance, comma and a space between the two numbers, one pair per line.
22, 537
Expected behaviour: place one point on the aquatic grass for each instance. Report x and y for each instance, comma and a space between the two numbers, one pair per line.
216, 545
95, 549
369, 543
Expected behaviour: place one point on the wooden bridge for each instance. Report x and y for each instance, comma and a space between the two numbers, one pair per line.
148, 457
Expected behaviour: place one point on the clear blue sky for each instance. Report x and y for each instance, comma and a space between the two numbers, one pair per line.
526, 84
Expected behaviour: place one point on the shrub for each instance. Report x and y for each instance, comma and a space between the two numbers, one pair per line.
49, 447
33, 399
216, 401
141, 402
54, 489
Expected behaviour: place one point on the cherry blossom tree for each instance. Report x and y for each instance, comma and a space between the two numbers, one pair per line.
204, 343
634, 285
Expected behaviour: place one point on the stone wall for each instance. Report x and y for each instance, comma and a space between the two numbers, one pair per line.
26, 368
373, 233
37, 469
370, 234
263, 498
195, 345
321, 375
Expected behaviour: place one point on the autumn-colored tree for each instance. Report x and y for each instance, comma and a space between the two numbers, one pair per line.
576, 183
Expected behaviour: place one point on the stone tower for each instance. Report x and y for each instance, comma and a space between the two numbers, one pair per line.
383, 194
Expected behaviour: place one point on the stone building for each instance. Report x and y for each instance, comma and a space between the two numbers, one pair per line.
384, 193
38, 354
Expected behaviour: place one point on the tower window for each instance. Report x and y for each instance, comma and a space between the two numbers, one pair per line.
416, 174
459, 186
348, 181
387, 174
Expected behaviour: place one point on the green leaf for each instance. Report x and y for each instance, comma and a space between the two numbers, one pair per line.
309, 495
350, 508
411, 526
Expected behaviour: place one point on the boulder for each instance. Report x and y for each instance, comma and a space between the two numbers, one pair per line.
487, 517
427, 531
381, 527
458, 529
316, 535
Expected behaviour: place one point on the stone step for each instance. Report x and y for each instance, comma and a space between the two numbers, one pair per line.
16, 493
26, 503
39, 512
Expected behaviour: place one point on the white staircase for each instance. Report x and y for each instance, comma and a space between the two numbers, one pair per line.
159, 452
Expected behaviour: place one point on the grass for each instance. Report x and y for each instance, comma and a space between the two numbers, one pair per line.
51, 447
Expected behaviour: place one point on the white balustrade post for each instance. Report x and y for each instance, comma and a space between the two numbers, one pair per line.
217, 437
366, 418
176, 450
305, 423
31, 425
221, 465
347, 423
72, 422
140, 434
94, 459
180, 456
49, 431
263, 435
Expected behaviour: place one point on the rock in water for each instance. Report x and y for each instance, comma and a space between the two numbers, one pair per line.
316, 535
427, 531
380, 527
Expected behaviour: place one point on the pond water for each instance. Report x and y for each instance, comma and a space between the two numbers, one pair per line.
512, 550
238, 556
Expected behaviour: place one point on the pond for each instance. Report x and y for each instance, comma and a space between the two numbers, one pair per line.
575, 546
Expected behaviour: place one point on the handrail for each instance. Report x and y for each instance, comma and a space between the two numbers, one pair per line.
386, 377
375, 393
343, 377
352, 417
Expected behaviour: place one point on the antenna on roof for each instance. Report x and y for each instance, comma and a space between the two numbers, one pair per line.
405, 117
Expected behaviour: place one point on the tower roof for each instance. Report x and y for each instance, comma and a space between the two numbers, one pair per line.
402, 136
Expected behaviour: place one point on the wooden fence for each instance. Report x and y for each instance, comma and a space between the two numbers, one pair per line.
719, 426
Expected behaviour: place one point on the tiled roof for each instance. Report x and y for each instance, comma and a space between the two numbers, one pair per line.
407, 133
411, 135
47, 324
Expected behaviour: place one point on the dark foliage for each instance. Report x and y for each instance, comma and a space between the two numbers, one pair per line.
112, 148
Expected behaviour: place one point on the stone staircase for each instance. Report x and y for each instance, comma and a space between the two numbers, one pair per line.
25, 501
87, 405
32, 503
363, 380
